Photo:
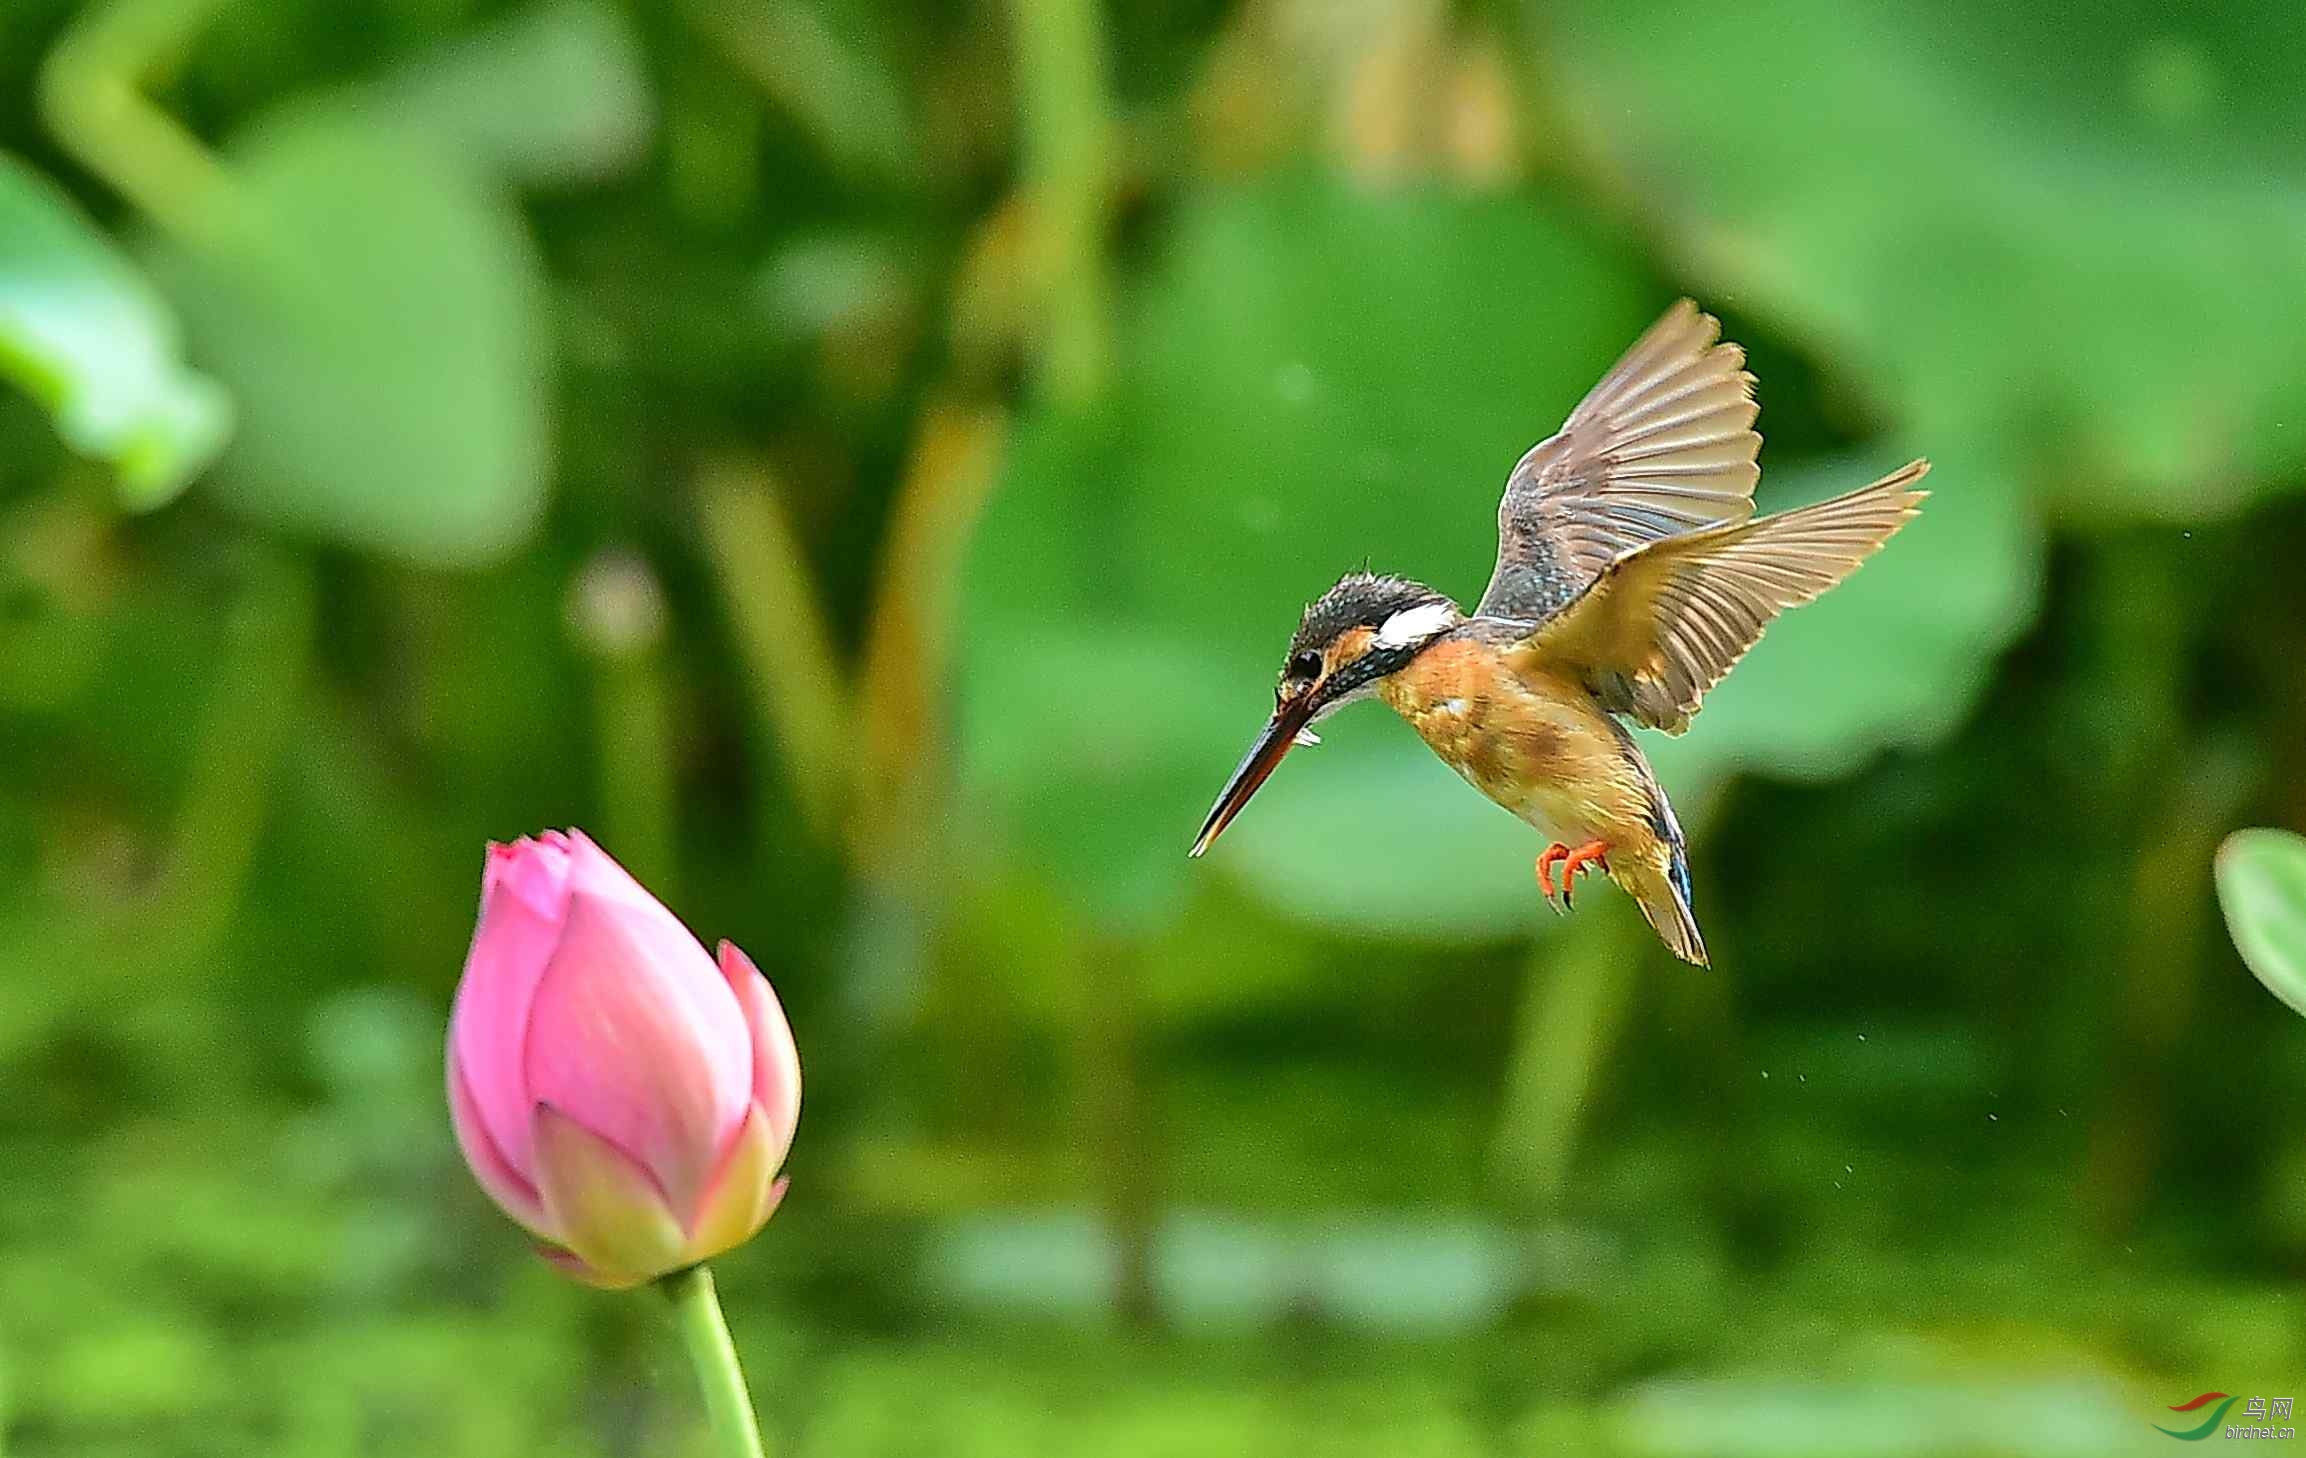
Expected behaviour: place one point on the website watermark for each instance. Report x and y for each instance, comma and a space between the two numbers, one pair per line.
2262, 1418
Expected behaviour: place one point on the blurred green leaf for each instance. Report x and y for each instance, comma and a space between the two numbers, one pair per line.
554, 95
381, 321
1080, 759
87, 337
2262, 888
2001, 220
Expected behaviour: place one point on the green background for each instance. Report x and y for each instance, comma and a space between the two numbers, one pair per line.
863, 464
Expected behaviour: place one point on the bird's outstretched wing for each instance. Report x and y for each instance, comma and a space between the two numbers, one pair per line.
1662, 624
1662, 446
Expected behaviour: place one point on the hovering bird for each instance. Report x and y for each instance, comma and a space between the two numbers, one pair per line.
1631, 575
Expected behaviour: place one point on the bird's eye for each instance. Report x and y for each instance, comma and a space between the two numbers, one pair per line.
1305, 665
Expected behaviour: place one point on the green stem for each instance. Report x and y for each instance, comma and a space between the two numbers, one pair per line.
1117, 1120
89, 95
1066, 121
800, 694
901, 726
617, 615
1581, 981
736, 1432
210, 853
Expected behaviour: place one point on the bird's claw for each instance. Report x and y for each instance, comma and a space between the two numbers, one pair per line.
1546, 860
1592, 854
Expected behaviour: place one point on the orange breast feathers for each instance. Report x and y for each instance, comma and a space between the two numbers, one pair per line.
1482, 720
1535, 744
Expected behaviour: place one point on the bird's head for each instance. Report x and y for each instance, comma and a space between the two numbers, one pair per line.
1353, 635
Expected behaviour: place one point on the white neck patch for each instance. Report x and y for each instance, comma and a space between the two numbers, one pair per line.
1415, 625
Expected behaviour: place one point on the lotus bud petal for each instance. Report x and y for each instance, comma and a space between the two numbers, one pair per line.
615, 1091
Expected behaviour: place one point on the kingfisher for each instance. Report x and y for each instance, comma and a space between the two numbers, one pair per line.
1632, 574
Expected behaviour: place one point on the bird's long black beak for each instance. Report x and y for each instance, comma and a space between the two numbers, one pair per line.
1280, 732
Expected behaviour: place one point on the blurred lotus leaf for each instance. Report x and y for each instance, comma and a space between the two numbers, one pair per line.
87, 337
1910, 182
381, 313
381, 321
551, 96
2262, 887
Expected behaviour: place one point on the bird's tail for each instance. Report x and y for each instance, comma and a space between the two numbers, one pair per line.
1662, 893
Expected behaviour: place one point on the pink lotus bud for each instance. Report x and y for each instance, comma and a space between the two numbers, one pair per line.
618, 1094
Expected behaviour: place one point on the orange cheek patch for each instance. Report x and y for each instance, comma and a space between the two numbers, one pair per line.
1350, 645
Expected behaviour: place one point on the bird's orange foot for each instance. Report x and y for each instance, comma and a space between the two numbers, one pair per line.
1546, 860
1593, 854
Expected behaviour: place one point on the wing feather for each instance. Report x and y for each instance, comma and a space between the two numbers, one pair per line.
1661, 625
1663, 445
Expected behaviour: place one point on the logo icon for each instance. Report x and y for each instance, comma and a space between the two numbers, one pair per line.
2209, 1424
2257, 1415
